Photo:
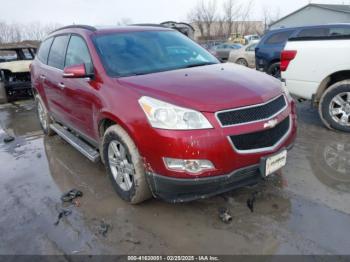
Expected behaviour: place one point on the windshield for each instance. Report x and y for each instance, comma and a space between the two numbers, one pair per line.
8, 55
137, 53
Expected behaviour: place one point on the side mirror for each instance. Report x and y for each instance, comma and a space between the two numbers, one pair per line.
75, 71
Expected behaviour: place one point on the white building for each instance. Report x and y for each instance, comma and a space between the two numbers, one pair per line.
315, 14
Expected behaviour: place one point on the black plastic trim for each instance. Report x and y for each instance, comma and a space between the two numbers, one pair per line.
176, 190
318, 38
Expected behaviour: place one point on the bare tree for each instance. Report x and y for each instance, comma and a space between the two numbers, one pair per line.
235, 17
245, 25
231, 14
195, 17
219, 30
17, 32
270, 16
209, 9
203, 15
9, 33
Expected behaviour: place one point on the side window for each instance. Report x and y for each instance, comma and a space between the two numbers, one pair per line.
8, 55
57, 51
339, 31
27, 54
314, 32
78, 53
279, 38
43, 52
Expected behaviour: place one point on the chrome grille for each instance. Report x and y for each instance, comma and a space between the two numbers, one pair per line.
252, 113
261, 139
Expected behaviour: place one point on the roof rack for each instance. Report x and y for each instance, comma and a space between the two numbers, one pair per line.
145, 24
87, 27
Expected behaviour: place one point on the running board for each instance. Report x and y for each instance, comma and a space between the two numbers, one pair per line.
76, 142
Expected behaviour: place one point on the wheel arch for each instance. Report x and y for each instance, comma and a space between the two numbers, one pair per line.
329, 81
241, 58
108, 119
273, 61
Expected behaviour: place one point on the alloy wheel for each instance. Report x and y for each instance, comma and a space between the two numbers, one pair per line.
121, 166
242, 62
339, 109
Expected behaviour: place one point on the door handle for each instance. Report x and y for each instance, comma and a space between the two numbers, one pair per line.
61, 85
42, 77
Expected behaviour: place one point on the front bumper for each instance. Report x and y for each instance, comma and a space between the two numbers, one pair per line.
184, 190
176, 190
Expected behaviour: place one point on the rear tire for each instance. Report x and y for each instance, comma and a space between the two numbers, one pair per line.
242, 62
43, 116
334, 107
124, 166
274, 70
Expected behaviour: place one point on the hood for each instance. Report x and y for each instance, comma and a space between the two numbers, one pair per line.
207, 88
16, 66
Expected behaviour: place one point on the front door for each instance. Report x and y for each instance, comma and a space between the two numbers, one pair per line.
80, 94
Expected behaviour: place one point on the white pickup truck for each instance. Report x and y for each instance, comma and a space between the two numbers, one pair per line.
318, 69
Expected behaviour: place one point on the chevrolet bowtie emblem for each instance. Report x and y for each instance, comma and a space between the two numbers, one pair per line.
271, 123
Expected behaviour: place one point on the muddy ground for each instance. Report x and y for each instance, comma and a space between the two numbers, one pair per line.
304, 210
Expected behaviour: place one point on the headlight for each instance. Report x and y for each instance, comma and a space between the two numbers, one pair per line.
167, 116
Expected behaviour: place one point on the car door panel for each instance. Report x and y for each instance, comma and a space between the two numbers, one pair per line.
80, 93
54, 77
54, 94
80, 99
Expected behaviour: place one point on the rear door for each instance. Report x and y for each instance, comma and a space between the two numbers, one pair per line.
54, 87
38, 68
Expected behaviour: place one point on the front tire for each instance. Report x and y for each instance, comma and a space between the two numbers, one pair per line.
44, 117
334, 107
124, 166
242, 62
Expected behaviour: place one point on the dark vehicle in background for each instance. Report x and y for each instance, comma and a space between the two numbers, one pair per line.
222, 51
15, 60
268, 51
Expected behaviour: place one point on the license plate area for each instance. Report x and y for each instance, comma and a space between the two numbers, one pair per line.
273, 163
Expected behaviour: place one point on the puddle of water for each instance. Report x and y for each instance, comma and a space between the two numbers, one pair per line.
297, 212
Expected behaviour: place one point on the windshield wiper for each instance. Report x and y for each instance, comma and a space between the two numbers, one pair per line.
200, 64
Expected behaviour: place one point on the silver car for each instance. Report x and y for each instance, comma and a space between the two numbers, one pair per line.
222, 51
244, 56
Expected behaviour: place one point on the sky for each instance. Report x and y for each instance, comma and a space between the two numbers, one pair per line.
109, 12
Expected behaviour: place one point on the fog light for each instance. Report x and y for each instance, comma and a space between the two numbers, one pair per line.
188, 165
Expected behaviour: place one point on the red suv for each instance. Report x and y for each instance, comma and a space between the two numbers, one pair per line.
166, 118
